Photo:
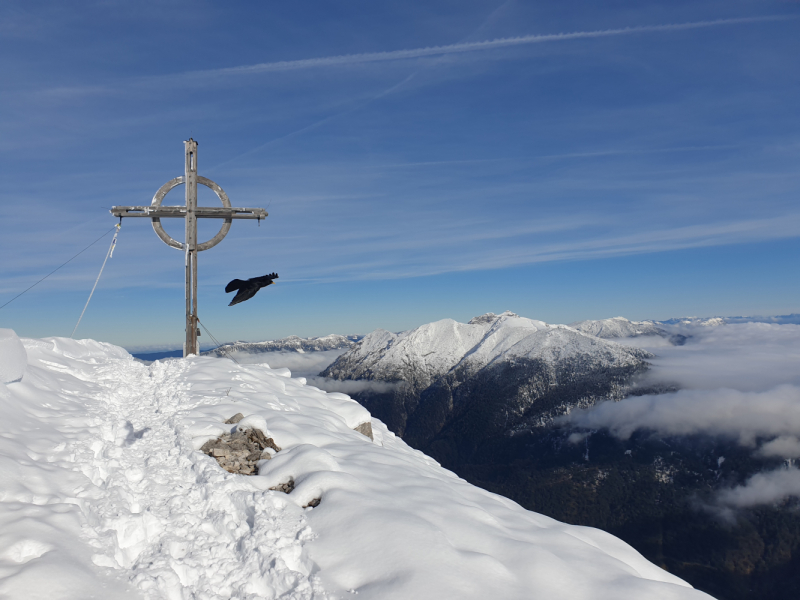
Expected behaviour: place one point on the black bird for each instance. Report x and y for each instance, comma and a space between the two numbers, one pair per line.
247, 289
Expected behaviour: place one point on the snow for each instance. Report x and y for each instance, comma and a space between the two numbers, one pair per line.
105, 495
13, 358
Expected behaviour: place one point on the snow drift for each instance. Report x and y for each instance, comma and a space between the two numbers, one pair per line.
105, 495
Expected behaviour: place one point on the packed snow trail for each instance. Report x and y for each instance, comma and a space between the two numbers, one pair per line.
187, 525
105, 496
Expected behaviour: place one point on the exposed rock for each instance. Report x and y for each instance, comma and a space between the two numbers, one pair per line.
235, 419
364, 429
240, 451
286, 488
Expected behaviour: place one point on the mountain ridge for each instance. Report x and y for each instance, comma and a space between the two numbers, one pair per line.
520, 368
293, 343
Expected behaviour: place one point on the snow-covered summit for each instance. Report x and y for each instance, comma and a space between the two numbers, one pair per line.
105, 495
617, 327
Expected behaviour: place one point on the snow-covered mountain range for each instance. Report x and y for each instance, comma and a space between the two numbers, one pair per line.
106, 495
494, 374
292, 343
618, 327
419, 356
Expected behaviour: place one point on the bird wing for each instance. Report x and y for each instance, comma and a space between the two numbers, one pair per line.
246, 291
234, 285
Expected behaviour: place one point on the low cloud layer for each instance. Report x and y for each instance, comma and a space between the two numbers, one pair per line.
301, 364
785, 446
352, 387
746, 357
310, 365
738, 381
762, 488
742, 415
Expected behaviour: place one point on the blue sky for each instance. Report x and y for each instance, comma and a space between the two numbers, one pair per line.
590, 160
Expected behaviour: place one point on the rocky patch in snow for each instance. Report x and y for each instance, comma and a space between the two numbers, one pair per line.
239, 452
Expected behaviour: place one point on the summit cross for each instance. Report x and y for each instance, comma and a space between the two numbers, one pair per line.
191, 212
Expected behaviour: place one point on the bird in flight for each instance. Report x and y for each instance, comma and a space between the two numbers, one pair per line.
247, 289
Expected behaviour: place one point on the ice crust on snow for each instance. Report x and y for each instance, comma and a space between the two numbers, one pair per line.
105, 496
13, 358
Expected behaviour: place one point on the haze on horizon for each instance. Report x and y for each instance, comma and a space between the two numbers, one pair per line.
418, 160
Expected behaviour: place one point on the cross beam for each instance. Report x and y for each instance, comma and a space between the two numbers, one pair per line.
190, 213
179, 212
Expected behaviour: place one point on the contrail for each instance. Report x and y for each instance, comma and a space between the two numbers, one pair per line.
368, 57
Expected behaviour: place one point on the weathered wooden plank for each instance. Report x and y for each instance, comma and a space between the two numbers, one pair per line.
179, 212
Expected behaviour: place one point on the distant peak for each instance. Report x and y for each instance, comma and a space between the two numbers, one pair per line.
491, 317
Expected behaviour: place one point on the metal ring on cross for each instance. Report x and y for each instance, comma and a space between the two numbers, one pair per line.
173, 183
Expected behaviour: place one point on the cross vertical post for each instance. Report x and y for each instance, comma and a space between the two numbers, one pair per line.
191, 346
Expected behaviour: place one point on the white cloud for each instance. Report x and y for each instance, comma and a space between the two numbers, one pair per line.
577, 437
785, 446
406, 54
747, 357
368, 57
762, 488
739, 381
308, 364
733, 413
352, 387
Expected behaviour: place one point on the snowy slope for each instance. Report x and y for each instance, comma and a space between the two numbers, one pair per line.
105, 495
617, 327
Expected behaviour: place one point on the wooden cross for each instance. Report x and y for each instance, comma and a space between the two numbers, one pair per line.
191, 212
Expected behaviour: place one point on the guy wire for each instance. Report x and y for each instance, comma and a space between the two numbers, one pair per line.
216, 341
57, 268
